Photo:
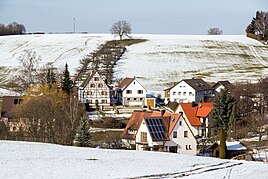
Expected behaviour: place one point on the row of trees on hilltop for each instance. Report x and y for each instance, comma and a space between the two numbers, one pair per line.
12, 29
259, 25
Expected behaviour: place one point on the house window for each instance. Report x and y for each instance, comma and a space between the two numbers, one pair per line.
135, 99
174, 93
179, 93
185, 133
180, 123
90, 101
184, 93
96, 78
129, 91
141, 99
17, 101
92, 85
190, 94
128, 99
103, 101
175, 134
103, 93
100, 85
140, 91
144, 137
188, 147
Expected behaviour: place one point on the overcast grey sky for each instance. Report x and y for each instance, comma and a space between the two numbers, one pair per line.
145, 16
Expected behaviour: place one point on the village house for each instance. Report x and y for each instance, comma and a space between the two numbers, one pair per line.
196, 116
189, 90
220, 85
8, 117
166, 131
94, 91
234, 148
131, 93
8, 104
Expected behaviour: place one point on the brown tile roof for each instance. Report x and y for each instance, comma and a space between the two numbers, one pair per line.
226, 84
124, 84
193, 113
198, 84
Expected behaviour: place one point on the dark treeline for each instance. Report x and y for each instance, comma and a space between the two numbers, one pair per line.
259, 25
12, 29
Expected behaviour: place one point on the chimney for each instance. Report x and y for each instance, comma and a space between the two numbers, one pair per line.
163, 112
194, 104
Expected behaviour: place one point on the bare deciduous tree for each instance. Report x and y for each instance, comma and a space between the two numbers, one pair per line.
29, 69
214, 31
121, 28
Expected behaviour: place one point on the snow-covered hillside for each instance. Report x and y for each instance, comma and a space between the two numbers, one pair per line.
37, 160
158, 62
165, 59
55, 48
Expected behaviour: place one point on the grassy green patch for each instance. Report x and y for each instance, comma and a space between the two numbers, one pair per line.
127, 42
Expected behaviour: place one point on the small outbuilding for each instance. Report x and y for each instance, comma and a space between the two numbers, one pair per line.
234, 148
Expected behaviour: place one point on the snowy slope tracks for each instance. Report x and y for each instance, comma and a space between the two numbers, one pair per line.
39, 160
165, 59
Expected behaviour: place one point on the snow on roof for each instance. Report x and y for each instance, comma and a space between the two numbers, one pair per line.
234, 145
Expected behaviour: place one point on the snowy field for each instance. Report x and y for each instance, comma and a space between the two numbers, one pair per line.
165, 59
54, 48
36, 160
158, 62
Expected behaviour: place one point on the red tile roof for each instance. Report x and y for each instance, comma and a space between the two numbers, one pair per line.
199, 110
169, 119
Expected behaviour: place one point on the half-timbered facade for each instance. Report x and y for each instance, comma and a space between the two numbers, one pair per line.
94, 91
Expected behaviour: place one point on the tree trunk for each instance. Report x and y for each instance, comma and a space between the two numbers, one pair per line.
222, 144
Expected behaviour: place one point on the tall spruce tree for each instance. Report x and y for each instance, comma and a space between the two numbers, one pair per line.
66, 81
221, 116
221, 113
82, 137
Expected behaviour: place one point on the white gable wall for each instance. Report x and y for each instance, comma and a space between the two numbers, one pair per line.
91, 94
185, 145
218, 88
193, 128
143, 128
182, 92
135, 98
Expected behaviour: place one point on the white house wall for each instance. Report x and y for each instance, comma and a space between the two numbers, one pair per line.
194, 129
134, 99
185, 145
182, 92
91, 94
143, 128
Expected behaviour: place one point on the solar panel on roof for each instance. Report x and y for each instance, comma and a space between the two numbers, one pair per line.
156, 128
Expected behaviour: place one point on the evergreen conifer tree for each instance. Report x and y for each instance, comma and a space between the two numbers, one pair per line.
66, 82
82, 138
222, 115
223, 107
51, 77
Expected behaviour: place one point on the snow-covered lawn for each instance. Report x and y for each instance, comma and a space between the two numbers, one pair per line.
37, 160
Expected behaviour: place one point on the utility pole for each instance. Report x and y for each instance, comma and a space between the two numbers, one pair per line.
74, 25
